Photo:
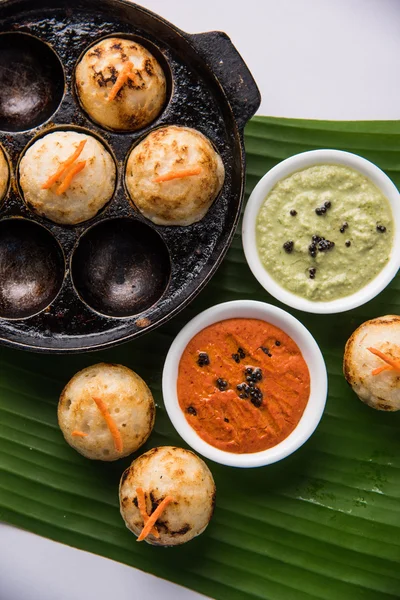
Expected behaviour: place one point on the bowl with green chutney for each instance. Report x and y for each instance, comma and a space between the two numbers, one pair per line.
321, 231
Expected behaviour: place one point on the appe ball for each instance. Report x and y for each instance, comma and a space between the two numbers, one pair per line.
54, 157
370, 376
172, 472
120, 84
106, 411
174, 175
4, 174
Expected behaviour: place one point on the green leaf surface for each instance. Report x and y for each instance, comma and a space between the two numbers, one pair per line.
322, 524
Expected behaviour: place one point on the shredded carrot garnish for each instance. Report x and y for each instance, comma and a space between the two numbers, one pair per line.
110, 423
380, 369
79, 434
132, 77
70, 174
390, 361
121, 80
177, 175
64, 166
153, 518
143, 510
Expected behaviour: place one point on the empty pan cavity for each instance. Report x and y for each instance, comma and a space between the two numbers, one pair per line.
31, 82
31, 268
120, 267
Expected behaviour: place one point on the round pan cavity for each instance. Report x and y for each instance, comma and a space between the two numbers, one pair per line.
31, 82
31, 268
120, 267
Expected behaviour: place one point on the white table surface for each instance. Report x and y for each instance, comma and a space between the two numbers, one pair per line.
311, 59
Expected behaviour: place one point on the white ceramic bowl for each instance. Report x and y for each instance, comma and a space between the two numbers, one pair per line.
311, 353
289, 166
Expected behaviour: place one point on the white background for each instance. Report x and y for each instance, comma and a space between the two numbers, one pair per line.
330, 59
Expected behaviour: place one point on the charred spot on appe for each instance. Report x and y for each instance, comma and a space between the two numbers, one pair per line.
154, 502
102, 80
152, 451
125, 475
182, 530
386, 407
114, 72
159, 134
163, 526
152, 412
148, 67
96, 52
213, 500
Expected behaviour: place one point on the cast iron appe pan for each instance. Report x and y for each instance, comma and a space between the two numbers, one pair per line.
93, 285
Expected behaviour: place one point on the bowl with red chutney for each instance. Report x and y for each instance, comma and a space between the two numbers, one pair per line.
244, 383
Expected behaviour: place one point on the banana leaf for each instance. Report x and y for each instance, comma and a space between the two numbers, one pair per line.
322, 524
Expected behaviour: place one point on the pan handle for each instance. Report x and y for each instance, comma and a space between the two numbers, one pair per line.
220, 54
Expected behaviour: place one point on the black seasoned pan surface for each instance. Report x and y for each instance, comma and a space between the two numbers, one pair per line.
83, 287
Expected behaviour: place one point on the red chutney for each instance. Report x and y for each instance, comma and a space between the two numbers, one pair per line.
273, 380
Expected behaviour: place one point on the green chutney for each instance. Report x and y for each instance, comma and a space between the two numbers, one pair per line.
324, 232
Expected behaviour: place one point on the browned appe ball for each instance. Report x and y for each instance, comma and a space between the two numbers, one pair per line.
129, 403
175, 472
